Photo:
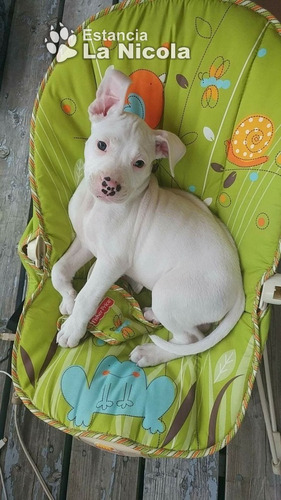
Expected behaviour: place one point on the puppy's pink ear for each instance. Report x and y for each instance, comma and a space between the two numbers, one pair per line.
110, 95
168, 145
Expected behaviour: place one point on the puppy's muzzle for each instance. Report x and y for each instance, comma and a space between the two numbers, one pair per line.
110, 187
107, 187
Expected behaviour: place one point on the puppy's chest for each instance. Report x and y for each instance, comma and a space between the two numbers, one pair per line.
101, 231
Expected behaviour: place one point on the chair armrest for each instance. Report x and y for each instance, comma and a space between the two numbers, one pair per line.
271, 292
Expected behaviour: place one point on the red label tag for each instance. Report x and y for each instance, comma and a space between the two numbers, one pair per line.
104, 306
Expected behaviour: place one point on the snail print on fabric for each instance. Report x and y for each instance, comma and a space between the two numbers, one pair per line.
249, 141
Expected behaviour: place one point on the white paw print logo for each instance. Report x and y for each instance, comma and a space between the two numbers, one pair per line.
63, 51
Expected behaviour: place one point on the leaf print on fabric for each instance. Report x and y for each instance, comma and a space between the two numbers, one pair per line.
208, 201
189, 138
208, 134
230, 180
28, 365
225, 365
182, 415
49, 356
182, 81
203, 28
215, 411
217, 167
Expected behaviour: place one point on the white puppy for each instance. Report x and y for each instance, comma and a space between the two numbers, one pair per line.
163, 239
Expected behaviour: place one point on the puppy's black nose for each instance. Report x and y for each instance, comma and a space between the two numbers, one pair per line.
110, 187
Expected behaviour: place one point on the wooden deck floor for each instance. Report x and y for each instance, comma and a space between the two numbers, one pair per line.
71, 469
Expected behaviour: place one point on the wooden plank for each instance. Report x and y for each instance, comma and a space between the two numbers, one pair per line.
75, 13
26, 62
181, 479
248, 468
45, 446
101, 475
249, 473
274, 6
6, 9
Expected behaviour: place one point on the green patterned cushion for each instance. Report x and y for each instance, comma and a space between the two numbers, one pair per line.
223, 103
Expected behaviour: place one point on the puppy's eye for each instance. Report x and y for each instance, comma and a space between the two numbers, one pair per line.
102, 145
139, 164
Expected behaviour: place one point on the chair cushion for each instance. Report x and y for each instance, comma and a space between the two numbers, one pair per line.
217, 91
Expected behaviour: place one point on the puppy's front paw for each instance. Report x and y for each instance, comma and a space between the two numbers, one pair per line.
70, 333
67, 303
148, 355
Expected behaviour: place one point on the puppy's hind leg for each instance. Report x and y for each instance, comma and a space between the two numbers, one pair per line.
150, 316
137, 287
193, 335
64, 270
151, 354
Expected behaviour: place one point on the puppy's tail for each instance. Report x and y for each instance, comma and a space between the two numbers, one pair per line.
225, 326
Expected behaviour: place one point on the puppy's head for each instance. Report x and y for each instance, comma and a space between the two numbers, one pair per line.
122, 147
